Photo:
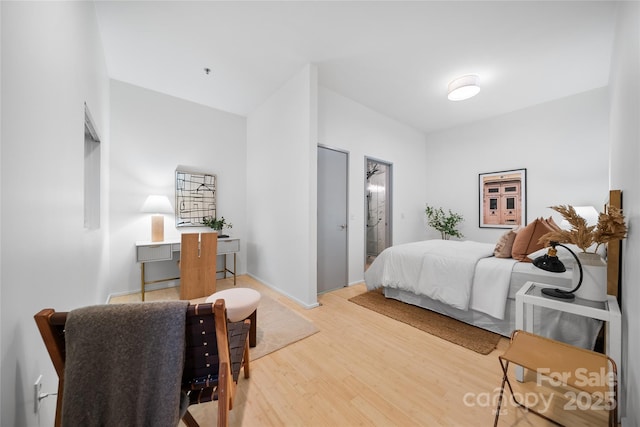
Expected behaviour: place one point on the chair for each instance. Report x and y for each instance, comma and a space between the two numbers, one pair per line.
593, 375
215, 351
212, 364
198, 253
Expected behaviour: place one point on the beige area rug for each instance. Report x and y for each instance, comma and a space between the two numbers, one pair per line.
277, 327
444, 327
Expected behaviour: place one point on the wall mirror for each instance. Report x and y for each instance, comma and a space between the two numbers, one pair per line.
195, 197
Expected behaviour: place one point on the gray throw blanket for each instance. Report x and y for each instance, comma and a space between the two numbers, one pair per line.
124, 364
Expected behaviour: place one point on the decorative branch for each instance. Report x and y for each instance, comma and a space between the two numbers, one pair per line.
611, 226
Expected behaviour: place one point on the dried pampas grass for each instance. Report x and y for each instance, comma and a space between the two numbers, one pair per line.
611, 226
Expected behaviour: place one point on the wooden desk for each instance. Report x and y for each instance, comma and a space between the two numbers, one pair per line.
163, 251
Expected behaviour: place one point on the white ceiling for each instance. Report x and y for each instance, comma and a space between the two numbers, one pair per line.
394, 57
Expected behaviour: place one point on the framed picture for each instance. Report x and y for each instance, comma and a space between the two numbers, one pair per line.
503, 199
195, 197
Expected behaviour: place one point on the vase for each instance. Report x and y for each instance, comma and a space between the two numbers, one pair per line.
594, 280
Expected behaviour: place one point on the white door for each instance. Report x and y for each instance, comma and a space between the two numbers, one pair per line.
332, 219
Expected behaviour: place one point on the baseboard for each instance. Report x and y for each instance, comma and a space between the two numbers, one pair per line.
281, 292
147, 288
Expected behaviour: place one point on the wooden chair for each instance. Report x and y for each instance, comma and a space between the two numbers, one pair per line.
198, 253
215, 352
592, 375
213, 363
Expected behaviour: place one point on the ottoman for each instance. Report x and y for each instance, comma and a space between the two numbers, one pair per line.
241, 304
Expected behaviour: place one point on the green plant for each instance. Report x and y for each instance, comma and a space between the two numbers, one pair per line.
216, 224
445, 223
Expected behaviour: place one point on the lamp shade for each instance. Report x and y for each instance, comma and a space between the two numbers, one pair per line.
464, 87
589, 213
156, 204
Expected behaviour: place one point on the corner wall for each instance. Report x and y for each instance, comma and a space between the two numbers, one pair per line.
281, 189
152, 134
52, 63
349, 126
625, 175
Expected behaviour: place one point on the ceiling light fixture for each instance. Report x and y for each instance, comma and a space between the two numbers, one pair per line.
464, 87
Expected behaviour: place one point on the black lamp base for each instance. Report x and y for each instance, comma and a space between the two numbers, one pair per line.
558, 293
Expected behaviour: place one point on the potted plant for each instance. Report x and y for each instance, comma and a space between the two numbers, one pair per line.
217, 224
589, 238
445, 223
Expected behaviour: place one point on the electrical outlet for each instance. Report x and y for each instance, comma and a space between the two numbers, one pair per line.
37, 389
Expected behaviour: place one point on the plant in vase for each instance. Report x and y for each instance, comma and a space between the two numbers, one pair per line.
610, 226
445, 223
217, 224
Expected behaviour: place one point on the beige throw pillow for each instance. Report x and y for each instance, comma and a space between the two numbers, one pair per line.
526, 240
504, 246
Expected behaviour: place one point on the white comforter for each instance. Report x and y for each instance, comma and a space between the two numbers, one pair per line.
445, 270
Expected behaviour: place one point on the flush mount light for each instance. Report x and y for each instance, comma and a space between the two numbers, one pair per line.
464, 87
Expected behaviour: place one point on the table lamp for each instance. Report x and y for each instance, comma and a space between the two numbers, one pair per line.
158, 206
550, 262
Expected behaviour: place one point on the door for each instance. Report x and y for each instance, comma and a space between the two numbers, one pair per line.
378, 208
332, 219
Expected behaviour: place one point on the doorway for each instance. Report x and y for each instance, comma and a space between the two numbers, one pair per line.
333, 259
378, 199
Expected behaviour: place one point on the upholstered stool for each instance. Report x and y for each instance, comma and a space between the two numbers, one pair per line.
241, 303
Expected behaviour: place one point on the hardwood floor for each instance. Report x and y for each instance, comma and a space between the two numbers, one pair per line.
363, 368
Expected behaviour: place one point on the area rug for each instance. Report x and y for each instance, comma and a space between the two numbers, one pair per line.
277, 327
444, 327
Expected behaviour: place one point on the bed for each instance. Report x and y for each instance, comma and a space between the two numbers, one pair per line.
463, 280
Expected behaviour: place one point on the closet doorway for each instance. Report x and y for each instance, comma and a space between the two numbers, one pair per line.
378, 197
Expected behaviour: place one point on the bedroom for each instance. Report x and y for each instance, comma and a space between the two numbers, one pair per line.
37, 54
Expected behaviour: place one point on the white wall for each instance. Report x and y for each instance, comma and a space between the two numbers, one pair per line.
52, 63
562, 144
1, 351
349, 126
281, 188
1, 348
625, 175
152, 134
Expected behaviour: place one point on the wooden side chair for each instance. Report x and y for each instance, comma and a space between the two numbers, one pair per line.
213, 363
198, 252
215, 352
592, 375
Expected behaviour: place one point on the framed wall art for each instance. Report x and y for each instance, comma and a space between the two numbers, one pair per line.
503, 199
195, 197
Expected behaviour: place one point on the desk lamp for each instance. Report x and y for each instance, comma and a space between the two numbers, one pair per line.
550, 262
158, 206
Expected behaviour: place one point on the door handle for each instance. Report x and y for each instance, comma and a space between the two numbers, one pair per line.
342, 226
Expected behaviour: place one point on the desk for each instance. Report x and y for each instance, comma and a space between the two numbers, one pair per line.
163, 251
608, 311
